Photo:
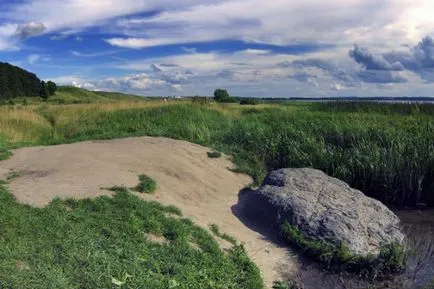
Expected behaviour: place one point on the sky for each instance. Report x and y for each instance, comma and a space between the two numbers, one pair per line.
253, 48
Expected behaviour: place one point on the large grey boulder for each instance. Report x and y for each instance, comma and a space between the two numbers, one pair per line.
325, 208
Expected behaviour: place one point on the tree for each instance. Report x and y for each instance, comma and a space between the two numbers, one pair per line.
16, 82
43, 92
51, 87
220, 95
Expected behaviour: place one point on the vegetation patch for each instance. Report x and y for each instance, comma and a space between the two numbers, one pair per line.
388, 155
286, 285
214, 154
101, 243
4, 154
146, 185
12, 175
392, 257
216, 231
117, 189
249, 101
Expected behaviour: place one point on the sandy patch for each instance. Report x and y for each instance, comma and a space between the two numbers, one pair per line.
203, 188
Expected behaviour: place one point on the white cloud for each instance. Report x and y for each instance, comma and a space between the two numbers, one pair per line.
78, 14
335, 21
255, 51
137, 83
95, 54
33, 58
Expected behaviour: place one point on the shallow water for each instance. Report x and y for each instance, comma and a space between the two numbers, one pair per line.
419, 229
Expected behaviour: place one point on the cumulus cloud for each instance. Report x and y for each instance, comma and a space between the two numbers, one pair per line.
418, 59
338, 73
350, 77
305, 77
373, 62
380, 76
141, 83
28, 30
381, 68
172, 75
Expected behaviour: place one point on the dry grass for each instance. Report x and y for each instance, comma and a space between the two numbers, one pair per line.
22, 124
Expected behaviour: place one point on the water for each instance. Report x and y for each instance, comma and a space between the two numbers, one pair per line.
419, 229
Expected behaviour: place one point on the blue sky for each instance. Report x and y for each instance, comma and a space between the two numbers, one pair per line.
278, 48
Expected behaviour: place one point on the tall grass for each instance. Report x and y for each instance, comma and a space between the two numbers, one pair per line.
388, 155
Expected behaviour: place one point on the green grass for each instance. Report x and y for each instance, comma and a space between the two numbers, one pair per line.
4, 154
387, 152
146, 185
102, 243
216, 231
74, 95
392, 257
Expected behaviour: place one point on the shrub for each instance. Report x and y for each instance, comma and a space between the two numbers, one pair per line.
146, 185
249, 101
222, 95
201, 100
214, 155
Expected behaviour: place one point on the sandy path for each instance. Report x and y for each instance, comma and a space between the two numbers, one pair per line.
203, 188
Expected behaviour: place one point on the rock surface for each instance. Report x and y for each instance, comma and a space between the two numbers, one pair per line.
325, 208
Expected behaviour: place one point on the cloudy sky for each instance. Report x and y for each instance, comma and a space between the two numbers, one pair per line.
274, 48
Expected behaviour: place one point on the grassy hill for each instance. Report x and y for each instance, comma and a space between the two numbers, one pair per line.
74, 95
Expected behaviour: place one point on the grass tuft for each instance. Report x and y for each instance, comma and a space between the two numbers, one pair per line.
146, 185
216, 231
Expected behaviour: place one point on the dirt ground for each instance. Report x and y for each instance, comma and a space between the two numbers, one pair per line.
203, 188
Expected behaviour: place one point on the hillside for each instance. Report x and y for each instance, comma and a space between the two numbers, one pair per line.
15, 82
75, 95
70, 94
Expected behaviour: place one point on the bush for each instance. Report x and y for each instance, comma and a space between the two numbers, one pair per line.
146, 185
201, 100
249, 101
222, 95
214, 155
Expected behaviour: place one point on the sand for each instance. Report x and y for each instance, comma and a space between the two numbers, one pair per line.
203, 188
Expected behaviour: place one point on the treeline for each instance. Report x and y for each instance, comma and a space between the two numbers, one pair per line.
17, 82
